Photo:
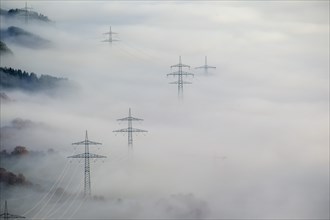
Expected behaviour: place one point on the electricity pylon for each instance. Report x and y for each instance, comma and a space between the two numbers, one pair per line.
180, 73
6, 215
87, 155
129, 130
26, 9
110, 39
205, 67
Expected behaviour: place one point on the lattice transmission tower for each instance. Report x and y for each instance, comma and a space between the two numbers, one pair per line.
205, 66
130, 130
87, 156
26, 14
6, 215
180, 73
110, 37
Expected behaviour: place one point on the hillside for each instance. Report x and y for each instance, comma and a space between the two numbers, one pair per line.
18, 79
4, 49
21, 13
24, 38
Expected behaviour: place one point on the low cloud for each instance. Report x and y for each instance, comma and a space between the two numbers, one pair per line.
264, 109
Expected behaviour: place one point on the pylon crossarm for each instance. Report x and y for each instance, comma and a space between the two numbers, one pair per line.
138, 130
109, 40
121, 130
7, 215
201, 67
110, 33
186, 74
130, 130
15, 216
180, 65
173, 74
93, 143
86, 142
87, 155
136, 119
184, 82
130, 119
205, 67
177, 73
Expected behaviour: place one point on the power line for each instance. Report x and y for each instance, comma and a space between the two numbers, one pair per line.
53, 209
56, 183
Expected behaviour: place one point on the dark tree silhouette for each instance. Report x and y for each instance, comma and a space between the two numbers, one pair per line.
18, 79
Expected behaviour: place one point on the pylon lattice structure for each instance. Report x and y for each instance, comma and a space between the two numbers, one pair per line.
205, 66
130, 130
26, 14
180, 73
7, 215
110, 37
87, 156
